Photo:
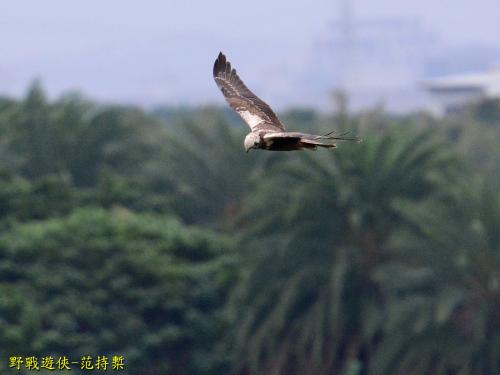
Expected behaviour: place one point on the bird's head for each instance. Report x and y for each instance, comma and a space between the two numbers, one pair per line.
252, 141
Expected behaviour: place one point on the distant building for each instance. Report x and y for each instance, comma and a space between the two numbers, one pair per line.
451, 93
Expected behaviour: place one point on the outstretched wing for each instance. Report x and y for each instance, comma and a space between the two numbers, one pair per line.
256, 113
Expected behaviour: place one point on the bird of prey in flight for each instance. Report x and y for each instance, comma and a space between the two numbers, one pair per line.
267, 131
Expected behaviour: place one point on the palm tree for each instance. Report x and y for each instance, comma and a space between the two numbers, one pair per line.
316, 232
206, 169
446, 307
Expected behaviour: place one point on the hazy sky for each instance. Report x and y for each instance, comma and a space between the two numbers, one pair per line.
157, 51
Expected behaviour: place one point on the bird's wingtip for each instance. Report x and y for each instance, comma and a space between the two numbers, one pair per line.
220, 63
221, 58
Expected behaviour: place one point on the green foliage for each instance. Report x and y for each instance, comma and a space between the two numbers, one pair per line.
22, 200
100, 282
455, 300
75, 137
486, 111
476, 133
208, 170
328, 225
375, 258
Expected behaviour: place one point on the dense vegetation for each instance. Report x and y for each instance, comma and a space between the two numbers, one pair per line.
154, 236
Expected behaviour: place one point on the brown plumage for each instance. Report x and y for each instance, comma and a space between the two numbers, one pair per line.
267, 131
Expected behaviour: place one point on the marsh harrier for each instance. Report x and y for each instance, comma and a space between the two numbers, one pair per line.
267, 131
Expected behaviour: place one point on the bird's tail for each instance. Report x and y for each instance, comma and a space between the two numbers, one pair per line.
341, 137
312, 144
309, 141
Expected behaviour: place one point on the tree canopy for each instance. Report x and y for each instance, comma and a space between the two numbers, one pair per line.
153, 235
